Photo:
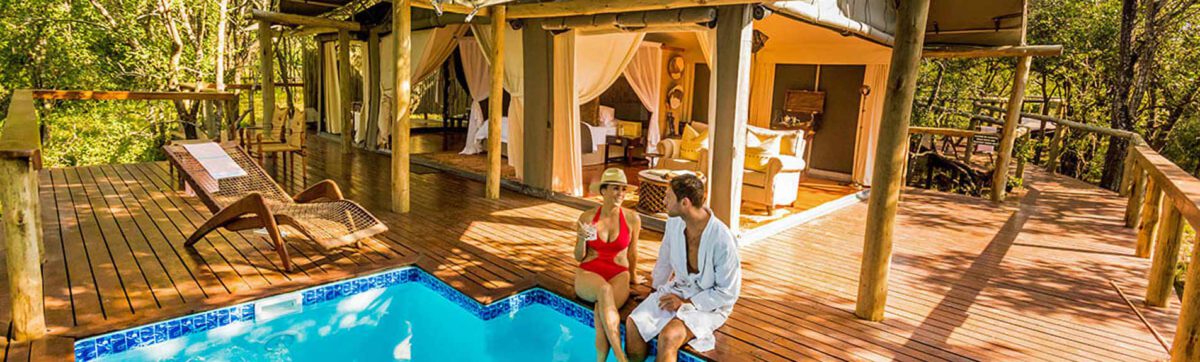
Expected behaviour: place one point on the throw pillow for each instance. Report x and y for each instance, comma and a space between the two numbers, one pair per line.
760, 149
693, 142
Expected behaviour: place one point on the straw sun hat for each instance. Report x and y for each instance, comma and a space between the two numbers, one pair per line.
611, 176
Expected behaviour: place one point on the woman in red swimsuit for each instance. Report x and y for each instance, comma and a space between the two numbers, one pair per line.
606, 247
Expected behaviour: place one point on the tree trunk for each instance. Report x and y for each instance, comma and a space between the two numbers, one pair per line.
1120, 92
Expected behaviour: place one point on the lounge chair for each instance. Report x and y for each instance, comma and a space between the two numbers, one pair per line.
255, 201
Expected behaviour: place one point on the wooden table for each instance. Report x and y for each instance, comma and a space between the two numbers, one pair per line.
627, 144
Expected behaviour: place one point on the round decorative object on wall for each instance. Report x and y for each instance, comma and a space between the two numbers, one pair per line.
675, 67
675, 97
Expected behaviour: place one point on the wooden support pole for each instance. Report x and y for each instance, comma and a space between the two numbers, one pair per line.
1148, 225
496, 102
890, 153
23, 240
373, 89
344, 85
267, 72
402, 33
1133, 208
1012, 118
1056, 147
1186, 346
20, 216
1166, 255
731, 107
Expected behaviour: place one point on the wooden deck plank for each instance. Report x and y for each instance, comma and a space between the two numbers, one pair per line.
56, 287
108, 282
167, 215
178, 268
129, 242
86, 303
138, 290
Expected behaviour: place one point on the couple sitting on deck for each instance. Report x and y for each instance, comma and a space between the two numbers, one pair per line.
697, 276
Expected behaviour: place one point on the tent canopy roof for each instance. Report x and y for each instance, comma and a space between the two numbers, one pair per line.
951, 22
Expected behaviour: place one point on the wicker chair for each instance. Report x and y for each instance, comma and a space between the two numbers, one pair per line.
255, 201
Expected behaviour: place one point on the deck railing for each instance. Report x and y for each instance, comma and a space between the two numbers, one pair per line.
20, 210
1162, 197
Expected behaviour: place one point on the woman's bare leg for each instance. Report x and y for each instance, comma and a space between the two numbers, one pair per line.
601, 337
591, 287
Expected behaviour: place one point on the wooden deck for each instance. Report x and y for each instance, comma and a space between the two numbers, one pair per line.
970, 280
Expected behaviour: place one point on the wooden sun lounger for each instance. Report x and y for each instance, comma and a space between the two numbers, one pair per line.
255, 201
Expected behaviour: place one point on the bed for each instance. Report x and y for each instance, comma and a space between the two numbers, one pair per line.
481, 135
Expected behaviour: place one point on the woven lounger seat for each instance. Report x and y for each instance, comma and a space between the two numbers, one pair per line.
255, 201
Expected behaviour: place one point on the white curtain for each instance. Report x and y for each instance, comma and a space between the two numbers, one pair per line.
589, 72
644, 74
514, 83
360, 117
430, 48
603, 59
479, 80
333, 90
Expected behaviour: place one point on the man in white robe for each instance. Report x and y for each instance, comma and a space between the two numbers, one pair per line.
696, 279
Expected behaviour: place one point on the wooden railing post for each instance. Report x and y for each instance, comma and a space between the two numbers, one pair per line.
1056, 147
1021, 158
1148, 226
20, 216
1166, 255
1186, 346
1127, 172
1138, 193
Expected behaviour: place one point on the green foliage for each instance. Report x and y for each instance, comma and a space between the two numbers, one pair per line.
122, 45
1080, 77
90, 133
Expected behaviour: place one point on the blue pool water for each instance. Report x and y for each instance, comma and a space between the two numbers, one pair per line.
401, 315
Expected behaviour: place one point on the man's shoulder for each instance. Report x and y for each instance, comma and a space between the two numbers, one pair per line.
723, 233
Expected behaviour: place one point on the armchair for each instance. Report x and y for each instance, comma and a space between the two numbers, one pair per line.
671, 160
777, 183
670, 149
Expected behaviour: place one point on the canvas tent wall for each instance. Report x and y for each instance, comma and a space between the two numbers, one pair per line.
791, 41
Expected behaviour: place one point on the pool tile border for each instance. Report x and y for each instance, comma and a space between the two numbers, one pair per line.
92, 348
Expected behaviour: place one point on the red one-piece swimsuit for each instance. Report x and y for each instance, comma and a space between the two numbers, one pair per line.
604, 264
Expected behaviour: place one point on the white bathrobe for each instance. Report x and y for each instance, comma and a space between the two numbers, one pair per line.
712, 291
